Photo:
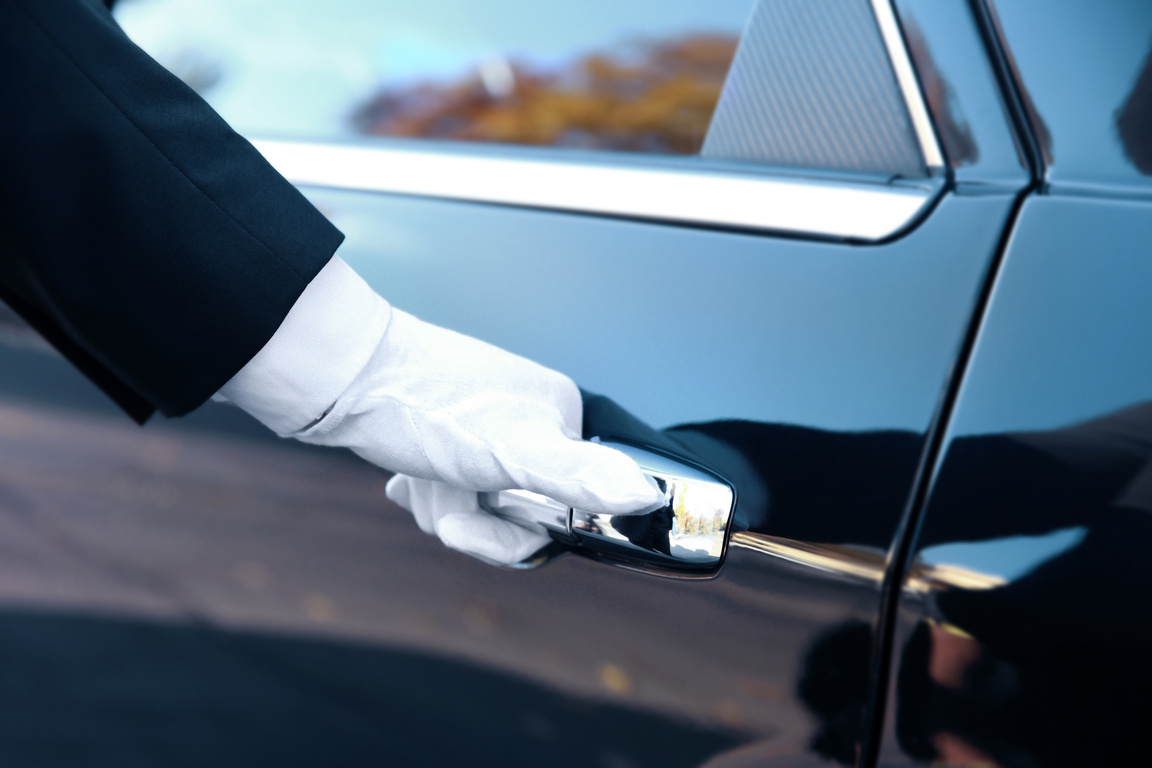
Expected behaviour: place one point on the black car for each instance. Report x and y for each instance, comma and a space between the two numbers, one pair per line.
880, 268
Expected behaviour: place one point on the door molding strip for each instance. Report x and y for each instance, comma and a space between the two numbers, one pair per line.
840, 210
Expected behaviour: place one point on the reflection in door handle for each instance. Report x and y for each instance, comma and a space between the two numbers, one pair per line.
685, 537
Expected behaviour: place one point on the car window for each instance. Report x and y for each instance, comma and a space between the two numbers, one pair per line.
780, 82
633, 113
603, 74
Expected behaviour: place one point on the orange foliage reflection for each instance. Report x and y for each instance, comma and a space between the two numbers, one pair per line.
657, 99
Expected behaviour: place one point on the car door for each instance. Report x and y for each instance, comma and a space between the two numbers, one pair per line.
755, 234
1041, 491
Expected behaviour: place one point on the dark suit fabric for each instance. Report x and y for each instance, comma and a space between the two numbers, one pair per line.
141, 235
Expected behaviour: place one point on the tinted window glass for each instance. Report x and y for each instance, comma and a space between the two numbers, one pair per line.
608, 74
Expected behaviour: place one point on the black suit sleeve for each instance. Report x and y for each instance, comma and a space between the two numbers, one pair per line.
152, 244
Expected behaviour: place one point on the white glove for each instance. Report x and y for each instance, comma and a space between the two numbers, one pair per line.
454, 515
456, 416
439, 405
434, 405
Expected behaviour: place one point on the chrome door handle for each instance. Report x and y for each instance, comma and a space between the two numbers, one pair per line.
687, 536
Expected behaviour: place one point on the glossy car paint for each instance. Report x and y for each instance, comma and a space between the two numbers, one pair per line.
1042, 489
196, 591
1042, 485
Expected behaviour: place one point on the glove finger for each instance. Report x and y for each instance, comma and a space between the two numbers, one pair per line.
588, 476
428, 500
399, 490
482, 535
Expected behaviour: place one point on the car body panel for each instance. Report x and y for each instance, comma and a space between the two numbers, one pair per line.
1041, 489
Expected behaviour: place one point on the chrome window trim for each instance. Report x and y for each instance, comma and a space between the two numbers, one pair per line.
749, 201
909, 85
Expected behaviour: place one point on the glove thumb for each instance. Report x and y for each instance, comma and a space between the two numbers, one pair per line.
487, 537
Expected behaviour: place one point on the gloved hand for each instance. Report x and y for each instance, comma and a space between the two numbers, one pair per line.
454, 416
454, 515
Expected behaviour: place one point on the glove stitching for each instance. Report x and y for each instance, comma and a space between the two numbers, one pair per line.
408, 410
415, 428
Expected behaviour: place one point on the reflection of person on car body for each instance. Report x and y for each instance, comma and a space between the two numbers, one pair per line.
1049, 668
